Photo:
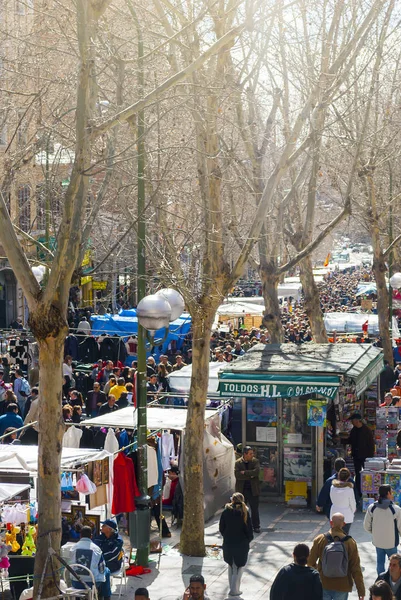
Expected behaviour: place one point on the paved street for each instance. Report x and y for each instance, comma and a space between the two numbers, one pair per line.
282, 528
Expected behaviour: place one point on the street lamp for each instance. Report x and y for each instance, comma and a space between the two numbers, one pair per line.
153, 312
395, 281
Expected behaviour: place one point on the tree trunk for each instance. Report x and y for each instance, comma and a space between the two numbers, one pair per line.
312, 301
192, 538
272, 316
379, 271
51, 430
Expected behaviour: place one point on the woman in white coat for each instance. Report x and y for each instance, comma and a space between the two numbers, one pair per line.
343, 498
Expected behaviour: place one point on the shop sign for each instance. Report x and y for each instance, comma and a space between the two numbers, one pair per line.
99, 285
86, 279
274, 390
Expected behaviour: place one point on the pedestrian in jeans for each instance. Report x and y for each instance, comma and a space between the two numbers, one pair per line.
338, 587
383, 521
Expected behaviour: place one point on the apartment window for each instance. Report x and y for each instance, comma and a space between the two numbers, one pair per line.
24, 207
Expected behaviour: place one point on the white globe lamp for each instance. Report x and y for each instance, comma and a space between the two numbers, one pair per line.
153, 312
395, 281
175, 300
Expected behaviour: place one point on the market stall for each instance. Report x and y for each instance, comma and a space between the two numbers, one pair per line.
218, 462
296, 400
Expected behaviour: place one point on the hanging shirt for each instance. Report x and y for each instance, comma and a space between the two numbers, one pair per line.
153, 471
168, 451
111, 443
72, 437
125, 487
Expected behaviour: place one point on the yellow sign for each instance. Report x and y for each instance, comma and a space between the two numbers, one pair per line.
87, 258
86, 279
99, 285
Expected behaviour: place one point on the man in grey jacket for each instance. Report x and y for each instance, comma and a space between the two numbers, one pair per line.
247, 483
383, 521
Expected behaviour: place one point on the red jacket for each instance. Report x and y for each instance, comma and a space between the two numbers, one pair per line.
125, 487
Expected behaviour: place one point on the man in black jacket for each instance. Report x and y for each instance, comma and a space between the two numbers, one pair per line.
362, 446
393, 575
95, 400
109, 406
297, 580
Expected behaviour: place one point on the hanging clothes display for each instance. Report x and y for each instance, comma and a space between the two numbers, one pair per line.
71, 346
168, 450
88, 350
72, 437
19, 353
125, 487
153, 471
111, 442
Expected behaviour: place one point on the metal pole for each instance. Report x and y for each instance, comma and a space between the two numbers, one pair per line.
390, 256
143, 513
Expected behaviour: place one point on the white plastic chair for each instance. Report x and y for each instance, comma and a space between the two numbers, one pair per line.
122, 575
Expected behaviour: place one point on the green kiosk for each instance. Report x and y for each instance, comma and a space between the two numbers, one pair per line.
295, 402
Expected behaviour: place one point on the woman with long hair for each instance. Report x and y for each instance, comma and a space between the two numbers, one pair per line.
236, 528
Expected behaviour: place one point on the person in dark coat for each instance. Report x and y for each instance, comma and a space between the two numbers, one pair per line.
386, 379
297, 580
247, 483
94, 400
236, 528
362, 446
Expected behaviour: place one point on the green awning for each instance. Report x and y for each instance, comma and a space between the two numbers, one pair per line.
276, 385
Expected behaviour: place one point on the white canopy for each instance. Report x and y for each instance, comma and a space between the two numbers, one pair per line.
345, 322
25, 458
169, 417
180, 381
10, 490
240, 309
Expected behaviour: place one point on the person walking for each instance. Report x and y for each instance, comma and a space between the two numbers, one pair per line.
236, 528
335, 555
343, 498
383, 521
246, 472
297, 580
324, 503
393, 575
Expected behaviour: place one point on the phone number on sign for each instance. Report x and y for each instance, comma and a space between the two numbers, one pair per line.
302, 390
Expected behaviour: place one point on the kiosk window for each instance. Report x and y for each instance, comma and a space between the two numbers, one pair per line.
294, 422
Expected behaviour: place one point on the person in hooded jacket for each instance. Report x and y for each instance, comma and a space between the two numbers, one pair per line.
343, 498
297, 580
383, 521
236, 528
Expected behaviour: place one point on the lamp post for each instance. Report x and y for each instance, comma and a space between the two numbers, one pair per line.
154, 312
395, 281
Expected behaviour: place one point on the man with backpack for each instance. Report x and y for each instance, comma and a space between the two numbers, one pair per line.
335, 555
383, 521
